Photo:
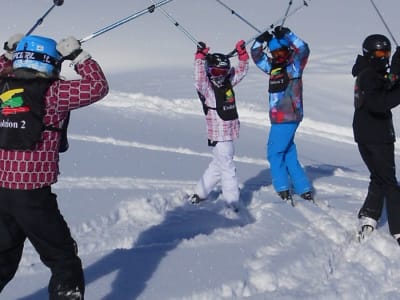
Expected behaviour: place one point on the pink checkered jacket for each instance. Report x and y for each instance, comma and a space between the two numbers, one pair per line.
218, 129
27, 170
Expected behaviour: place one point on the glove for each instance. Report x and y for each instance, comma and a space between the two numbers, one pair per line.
11, 44
202, 51
70, 49
280, 31
395, 64
241, 50
264, 37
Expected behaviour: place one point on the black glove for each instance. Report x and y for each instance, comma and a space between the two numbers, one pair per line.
70, 49
264, 37
201, 46
280, 31
395, 65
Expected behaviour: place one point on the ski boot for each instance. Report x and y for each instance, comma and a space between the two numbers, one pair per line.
67, 294
367, 227
286, 196
234, 206
308, 196
195, 199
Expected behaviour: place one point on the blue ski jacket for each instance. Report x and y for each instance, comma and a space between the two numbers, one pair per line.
287, 105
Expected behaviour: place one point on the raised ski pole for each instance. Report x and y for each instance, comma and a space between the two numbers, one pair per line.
149, 9
239, 16
180, 27
296, 9
40, 20
384, 23
287, 12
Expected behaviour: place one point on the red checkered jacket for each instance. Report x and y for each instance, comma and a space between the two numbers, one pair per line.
218, 129
27, 170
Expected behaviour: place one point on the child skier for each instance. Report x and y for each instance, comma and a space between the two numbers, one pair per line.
34, 93
289, 55
376, 93
214, 82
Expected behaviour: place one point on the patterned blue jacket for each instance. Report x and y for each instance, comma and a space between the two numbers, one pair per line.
287, 105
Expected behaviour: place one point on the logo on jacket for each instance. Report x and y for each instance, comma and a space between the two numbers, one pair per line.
230, 97
12, 102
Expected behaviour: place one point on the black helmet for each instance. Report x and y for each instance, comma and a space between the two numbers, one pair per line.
218, 67
375, 42
218, 60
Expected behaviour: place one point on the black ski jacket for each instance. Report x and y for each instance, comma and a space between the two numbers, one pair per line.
374, 97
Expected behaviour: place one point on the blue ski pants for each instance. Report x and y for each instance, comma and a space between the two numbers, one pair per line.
286, 170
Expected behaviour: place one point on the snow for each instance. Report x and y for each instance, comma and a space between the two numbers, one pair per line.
135, 155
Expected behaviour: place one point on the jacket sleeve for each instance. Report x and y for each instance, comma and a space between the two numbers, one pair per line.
301, 52
5, 64
240, 71
377, 99
260, 58
200, 76
72, 94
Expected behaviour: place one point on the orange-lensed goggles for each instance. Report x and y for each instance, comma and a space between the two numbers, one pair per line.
280, 53
382, 53
214, 71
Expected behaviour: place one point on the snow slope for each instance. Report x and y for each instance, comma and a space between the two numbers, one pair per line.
135, 155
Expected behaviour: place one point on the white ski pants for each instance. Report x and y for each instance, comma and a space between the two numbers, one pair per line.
221, 170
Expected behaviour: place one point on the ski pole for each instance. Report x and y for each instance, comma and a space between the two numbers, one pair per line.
384, 23
296, 9
40, 20
180, 27
287, 12
239, 16
149, 9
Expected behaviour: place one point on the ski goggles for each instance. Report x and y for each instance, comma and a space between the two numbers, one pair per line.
280, 53
215, 71
382, 53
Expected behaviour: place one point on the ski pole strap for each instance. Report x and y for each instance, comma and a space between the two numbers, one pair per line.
149, 9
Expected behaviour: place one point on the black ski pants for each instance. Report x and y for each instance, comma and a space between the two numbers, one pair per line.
34, 214
380, 161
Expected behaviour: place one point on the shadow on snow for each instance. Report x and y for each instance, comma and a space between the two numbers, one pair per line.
136, 266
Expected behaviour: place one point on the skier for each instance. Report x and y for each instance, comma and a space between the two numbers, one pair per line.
28, 207
376, 93
214, 82
285, 65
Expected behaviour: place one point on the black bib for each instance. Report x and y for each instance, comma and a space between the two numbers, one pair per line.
279, 79
226, 102
22, 109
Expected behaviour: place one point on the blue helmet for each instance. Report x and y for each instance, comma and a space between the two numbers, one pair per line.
37, 53
275, 44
